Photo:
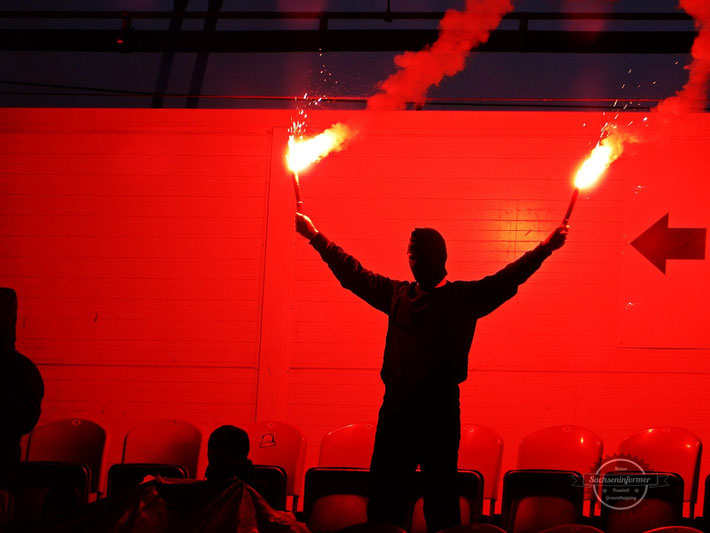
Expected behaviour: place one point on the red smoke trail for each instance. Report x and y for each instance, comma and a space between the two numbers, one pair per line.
694, 93
669, 113
459, 31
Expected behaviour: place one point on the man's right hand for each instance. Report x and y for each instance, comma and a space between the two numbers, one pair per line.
305, 227
557, 238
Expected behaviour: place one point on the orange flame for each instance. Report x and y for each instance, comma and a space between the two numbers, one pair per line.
303, 152
604, 154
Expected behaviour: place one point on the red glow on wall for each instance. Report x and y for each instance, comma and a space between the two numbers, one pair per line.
159, 276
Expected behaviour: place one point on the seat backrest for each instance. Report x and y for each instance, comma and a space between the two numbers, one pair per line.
572, 448
373, 527
481, 449
470, 487
271, 483
668, 449
674, 529
474, 528
348, 447
560, 448
706, 500
278, 444
573, 528
537, 499
170, 442
335, 498
660, 503
46, 489
124, 477
71, 441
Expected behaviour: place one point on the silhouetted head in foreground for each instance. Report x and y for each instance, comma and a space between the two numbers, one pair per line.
427, 257
227, 451
8, 318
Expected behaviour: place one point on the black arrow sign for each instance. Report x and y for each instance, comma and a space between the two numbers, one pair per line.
660, 243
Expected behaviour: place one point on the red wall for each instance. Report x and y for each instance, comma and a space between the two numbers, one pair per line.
159, 276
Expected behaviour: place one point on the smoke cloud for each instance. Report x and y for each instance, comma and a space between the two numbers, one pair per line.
694, 93
692, 97
459, 31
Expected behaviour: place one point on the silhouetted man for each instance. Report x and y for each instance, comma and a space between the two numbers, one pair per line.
429, 334
21, 389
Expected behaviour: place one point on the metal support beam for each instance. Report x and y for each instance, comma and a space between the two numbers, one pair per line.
198, 71
166, 61
605, 42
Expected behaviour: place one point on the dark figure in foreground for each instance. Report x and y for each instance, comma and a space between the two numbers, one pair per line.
430, 331
21, 389
227, 451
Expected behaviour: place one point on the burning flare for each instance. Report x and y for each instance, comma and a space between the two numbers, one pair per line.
603, 155
303, 152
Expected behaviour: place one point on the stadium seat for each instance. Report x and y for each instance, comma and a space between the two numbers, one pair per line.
481, 449
122, 477
167, 442
272, 483
674, 529
279, 444
46, 489
348, 447
572, 528
567, 447
69, 440
470, 489
660, 504
474, 528
372, 527
537, 499
335, 498
669, 449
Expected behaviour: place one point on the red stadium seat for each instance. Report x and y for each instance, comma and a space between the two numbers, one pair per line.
474, 528
481, 449
669, 449
69, 440
168, 442
470, 489
348, 447
279, 444
335, 498
674, 529
372, 527
537, 499
661, 504
123, 477
572, 448
572, 528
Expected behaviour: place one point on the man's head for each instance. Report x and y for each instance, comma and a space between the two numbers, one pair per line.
427, 257
8, 317
227, 446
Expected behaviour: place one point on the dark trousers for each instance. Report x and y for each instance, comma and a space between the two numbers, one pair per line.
420, 431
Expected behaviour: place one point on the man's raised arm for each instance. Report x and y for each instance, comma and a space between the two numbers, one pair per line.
490, 292
375, 289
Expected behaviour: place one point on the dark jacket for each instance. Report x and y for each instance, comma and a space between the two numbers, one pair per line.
429, 333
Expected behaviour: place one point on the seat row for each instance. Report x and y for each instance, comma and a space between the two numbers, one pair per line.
171, 448
559, 477
565, 447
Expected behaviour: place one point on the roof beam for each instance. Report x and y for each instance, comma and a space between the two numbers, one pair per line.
361, 40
